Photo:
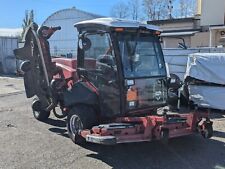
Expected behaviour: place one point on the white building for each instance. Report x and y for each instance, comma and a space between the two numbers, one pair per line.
64, 42
10, 32
206, 29
8, 42
8, 63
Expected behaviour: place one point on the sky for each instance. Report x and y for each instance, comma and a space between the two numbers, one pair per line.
12, 12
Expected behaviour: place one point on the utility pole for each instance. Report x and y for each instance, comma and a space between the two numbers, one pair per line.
170, 9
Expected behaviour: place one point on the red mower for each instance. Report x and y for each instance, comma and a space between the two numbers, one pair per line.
114, 91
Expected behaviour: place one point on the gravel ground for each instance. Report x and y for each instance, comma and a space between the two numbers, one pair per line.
26, 143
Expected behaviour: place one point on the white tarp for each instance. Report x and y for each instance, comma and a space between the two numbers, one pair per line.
209, 67
177, 58
208, 96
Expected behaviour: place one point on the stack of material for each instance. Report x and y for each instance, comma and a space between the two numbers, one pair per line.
205, 78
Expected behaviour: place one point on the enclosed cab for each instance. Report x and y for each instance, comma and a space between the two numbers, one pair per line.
122, 67
124, 62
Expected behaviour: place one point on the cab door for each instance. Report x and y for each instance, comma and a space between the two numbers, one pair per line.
101, 70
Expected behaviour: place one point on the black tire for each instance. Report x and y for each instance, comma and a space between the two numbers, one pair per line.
79, 118
208, 131
41, 115
164, 136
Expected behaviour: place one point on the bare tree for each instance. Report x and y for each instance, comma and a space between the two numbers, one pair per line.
135, 9
29, 18
187, 8
120, 10
155, 9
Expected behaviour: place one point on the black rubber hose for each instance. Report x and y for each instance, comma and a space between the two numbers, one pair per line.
64, 114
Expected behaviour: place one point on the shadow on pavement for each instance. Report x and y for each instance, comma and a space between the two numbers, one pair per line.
56, 123
217, 115
10, 76
219, 134
191, 152
59, 127
59, 131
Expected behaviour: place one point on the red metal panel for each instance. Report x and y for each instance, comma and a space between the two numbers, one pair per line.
150, 127
72, 63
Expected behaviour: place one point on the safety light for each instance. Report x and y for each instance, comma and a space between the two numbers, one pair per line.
157, 33
132, 94
119, 29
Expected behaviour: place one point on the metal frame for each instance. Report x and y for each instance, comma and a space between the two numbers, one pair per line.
148, 128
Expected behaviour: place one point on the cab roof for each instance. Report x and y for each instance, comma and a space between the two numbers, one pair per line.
114, 23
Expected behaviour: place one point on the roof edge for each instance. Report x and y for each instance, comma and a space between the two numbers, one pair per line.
116, 22
176, 20
73, 8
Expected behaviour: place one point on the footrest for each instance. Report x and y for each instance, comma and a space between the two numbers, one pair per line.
113, 126
176, 120
105, 140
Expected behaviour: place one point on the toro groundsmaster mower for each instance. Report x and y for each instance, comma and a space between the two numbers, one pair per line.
114, 91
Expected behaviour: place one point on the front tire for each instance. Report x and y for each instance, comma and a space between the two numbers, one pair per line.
41, 115
80, 117
38, 111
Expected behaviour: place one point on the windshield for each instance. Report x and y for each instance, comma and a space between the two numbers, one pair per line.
141, 55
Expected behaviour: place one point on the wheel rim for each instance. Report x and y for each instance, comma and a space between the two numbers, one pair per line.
75, 125
36, 113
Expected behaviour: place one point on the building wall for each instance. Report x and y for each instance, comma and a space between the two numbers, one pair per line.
171, 42
212, 12
64, 42
209, 13
7, 58
199, 7
219, 35
200, 39
177, 26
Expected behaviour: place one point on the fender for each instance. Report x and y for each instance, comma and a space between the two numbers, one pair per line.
81, 93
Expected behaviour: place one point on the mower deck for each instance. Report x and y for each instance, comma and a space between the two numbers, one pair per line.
139, 129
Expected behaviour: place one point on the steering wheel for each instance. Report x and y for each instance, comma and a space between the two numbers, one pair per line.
106, 59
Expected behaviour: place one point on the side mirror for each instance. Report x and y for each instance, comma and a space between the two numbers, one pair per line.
84, 43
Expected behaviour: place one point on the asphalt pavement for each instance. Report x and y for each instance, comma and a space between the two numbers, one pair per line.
26, 143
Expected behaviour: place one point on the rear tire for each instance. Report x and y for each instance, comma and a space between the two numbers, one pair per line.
208, 131
41, 115
79, 118
164, 136
38, 111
